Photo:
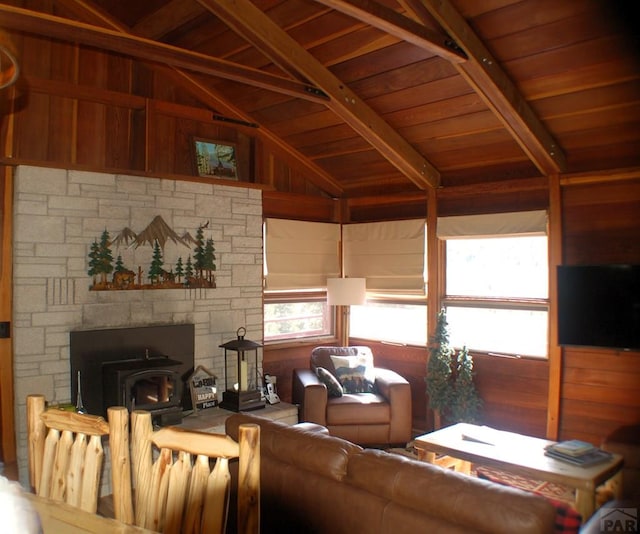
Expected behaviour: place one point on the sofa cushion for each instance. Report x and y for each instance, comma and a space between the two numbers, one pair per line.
298, 447
355, 373
358, 409
334, 388
468, 502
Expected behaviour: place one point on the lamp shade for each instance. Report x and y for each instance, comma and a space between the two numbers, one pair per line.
346, 291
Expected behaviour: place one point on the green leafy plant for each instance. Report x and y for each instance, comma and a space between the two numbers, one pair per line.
450, 386
439, 367
466, 402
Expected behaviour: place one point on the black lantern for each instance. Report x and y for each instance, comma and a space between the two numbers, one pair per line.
240, 397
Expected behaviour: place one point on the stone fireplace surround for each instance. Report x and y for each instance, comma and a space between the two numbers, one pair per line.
58, 214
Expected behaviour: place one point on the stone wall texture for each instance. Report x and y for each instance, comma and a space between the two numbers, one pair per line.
60, 213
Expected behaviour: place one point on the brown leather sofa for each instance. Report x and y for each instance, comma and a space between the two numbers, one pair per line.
312, 482
381, 417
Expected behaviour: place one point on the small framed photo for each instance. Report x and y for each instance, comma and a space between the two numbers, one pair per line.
215, 158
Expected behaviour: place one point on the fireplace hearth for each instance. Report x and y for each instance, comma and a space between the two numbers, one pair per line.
139, 368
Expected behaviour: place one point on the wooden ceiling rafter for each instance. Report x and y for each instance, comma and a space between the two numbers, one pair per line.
396, 24
211, 98
148, 50
495, 87
166, 19
247, 20
481, 70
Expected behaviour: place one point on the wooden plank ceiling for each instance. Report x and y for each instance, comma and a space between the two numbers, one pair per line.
388, 97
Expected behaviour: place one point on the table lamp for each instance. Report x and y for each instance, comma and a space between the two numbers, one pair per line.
346, 292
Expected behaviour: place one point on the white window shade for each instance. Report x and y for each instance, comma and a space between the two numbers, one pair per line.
300, 254
494, 224
390, 255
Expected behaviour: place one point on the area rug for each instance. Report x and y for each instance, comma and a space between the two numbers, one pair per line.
550, 490
567, 519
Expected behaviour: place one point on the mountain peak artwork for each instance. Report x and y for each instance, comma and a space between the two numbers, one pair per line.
194, 272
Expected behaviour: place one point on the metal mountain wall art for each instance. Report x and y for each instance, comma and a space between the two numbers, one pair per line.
196, 271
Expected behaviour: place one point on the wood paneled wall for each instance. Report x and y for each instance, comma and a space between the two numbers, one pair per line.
600, 389
76, 108
514, 390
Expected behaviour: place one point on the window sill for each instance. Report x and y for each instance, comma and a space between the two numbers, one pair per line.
300, 342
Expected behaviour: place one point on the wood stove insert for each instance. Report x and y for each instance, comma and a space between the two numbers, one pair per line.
140, 368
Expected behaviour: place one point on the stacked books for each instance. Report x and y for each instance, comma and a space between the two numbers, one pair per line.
577, 452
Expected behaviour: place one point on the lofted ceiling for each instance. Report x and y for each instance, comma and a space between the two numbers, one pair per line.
389, 97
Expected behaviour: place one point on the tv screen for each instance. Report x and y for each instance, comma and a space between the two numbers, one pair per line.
599, 306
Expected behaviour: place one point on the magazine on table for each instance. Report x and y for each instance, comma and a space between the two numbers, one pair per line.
573, 447
585, 460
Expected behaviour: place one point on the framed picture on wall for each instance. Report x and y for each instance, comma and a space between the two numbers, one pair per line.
215, 158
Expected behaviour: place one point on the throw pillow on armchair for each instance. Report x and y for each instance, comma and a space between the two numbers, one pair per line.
355, 373
334, 388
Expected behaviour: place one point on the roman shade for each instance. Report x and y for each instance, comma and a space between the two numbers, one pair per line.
391, 255
493, 224
300, 254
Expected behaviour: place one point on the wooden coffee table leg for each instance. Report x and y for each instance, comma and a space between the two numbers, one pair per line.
463, 467
614, 484
586, 499
585, 503
426, 456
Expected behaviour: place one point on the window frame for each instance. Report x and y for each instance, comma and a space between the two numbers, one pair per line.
299, 296
497, 303
395, 298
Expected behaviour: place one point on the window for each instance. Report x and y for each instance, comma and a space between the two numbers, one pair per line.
391, 255
396, 322
299, 257
497, 294
297, 319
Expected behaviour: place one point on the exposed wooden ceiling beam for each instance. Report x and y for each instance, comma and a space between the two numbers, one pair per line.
212, 99
169, 17
396, 24
89, 13
493, 85
15, 18
252, 24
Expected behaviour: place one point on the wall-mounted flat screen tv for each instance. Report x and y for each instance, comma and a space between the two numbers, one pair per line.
599, 306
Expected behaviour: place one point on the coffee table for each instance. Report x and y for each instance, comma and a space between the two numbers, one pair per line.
520, 455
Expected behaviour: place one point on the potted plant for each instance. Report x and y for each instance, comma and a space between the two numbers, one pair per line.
450, 386
466, 403
439, 370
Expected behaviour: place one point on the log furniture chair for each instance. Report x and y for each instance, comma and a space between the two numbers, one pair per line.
381, 416
171, 490
65, 455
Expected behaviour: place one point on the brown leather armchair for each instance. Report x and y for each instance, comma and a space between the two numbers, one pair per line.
377, 418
